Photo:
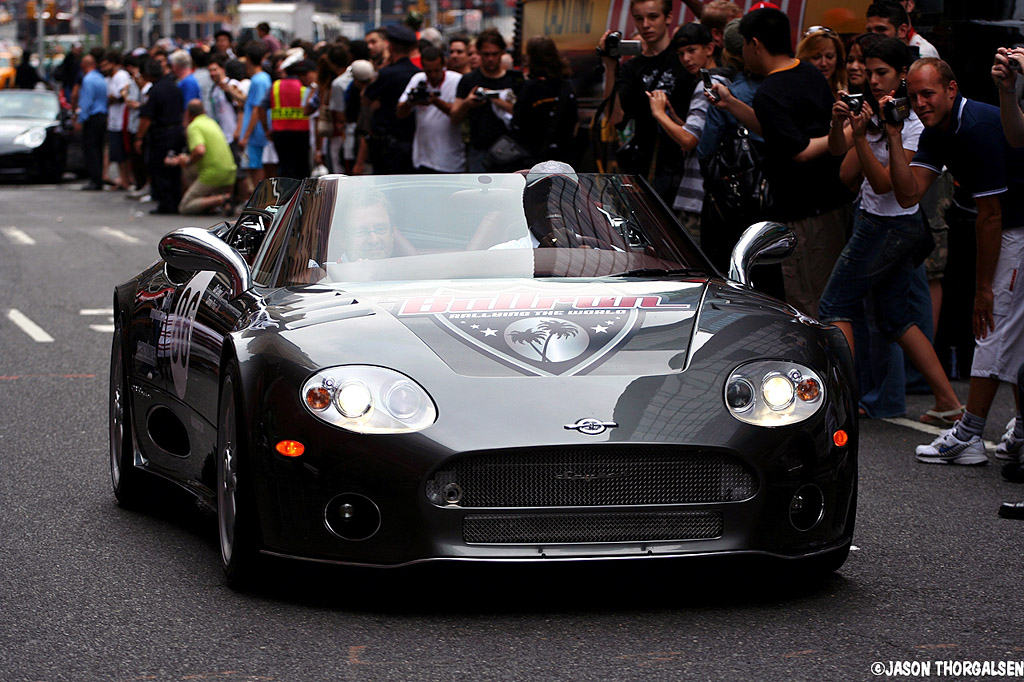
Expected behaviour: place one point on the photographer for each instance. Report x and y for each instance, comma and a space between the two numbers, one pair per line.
649, 151
486, 96
967, 137
437, 145
879, 259
793, 107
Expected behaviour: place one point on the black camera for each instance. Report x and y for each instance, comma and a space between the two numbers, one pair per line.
854, 102
483, 93
420, 94
896, 110
615, 46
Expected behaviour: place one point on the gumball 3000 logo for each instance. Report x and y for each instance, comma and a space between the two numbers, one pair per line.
181, 324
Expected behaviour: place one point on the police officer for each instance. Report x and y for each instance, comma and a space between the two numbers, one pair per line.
391, 137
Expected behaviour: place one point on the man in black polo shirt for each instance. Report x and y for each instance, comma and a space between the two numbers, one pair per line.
487, 114
967, 137
793, 106
390, 136
160, 127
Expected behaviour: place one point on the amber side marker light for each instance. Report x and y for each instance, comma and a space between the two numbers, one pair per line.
291, 448
840, 438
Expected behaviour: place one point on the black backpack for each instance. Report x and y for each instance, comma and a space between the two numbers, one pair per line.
734, 180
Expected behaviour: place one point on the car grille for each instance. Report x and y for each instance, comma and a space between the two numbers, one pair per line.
594, 477
601, 527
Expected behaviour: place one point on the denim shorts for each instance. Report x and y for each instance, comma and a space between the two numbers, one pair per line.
877, 261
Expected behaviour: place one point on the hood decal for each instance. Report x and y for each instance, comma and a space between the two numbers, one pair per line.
535, 332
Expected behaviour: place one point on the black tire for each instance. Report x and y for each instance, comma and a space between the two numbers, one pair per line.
129, 483
238, 532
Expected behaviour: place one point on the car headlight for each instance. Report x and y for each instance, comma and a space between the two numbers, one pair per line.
368, 399
773, 393
31, 138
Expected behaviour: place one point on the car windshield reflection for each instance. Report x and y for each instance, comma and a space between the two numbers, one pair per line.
28, 104
386, 228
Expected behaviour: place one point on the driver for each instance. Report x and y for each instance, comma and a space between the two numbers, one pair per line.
368, 232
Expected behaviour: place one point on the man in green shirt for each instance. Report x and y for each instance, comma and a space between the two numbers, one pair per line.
211, 160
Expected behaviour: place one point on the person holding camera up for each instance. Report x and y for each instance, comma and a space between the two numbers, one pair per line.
648, 151
878, 261
437, 145
967, 137
486, 96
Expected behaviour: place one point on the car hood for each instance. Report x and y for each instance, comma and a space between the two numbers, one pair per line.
505, 328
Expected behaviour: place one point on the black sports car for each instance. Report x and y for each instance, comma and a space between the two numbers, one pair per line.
386, 370
37, 138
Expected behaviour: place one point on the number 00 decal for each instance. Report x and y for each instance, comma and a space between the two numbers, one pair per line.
182, 323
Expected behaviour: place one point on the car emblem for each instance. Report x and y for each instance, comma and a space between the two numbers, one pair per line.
591, 427
571, 475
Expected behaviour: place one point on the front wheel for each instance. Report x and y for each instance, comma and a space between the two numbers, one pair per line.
128, 482
237, 525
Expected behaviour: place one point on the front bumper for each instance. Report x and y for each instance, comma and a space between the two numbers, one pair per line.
307, 502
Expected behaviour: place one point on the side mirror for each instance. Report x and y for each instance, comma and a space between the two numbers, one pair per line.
761, 243
191, 248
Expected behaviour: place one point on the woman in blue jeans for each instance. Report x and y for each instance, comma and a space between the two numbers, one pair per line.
878, 259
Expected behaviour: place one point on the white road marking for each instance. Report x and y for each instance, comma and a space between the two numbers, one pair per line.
28, 326
118, 234
105, 312
18, 237
927, 428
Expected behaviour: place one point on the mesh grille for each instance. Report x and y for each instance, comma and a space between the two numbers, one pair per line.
584, 478
576, 528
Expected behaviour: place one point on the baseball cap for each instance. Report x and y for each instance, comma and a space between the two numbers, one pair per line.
362, 70
764, 5
732, 39
546, 170
692, 34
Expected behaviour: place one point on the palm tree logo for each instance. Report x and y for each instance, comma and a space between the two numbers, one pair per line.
539, 338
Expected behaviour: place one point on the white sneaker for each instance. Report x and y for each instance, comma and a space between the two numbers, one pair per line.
1009, 447
948, 449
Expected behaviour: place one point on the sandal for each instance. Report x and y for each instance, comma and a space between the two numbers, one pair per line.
944, 419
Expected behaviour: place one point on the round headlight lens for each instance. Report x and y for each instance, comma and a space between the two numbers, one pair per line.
353, 399
778, 392
31, 138
739, 394
403, 400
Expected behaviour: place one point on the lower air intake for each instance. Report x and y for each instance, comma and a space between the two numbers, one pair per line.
583, 528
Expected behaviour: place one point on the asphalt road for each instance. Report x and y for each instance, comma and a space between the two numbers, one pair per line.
90, 592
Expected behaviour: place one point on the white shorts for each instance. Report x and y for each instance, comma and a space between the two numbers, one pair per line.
270, 154
1000, 354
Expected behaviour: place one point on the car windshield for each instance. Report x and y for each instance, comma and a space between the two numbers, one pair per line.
28, 104
5, 63
466, 226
